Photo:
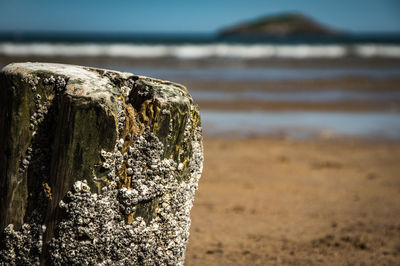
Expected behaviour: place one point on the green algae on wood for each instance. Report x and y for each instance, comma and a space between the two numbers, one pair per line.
78, 137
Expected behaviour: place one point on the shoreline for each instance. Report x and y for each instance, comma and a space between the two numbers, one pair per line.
326, 63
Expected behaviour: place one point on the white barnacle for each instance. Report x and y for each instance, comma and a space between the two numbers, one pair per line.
77, 186
85, 187
62, 204
130, 162
128, 202
165, 112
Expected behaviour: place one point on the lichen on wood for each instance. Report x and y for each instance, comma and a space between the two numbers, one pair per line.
99, 167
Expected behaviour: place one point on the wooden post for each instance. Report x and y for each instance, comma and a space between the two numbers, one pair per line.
96, 166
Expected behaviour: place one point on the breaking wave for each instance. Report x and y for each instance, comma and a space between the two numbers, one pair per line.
199, 51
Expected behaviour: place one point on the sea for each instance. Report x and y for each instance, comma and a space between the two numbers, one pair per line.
196, 46
209, 60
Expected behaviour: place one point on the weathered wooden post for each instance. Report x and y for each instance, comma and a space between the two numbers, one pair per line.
97, 167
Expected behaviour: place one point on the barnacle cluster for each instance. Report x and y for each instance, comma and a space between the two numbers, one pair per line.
95, 228
22, 247
37, 154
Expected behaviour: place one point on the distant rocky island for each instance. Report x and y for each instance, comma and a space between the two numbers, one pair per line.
287, 24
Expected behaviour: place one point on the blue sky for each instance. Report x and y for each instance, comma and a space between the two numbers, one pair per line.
189, 16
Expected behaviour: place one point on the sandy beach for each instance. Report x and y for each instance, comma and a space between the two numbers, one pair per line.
271, 201
325, 199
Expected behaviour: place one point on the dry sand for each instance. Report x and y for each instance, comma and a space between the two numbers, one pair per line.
266, 201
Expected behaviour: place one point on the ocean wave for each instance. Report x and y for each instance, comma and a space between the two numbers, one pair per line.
198, 51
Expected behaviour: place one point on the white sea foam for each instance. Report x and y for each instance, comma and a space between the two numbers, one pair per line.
198, 51
370, 50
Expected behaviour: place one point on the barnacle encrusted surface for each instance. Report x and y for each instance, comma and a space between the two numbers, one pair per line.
97, 166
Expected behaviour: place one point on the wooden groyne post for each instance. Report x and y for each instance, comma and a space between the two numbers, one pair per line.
97, 167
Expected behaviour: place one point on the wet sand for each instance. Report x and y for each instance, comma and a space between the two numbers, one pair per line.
360, 83
349, 84
342, 106
268, 201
